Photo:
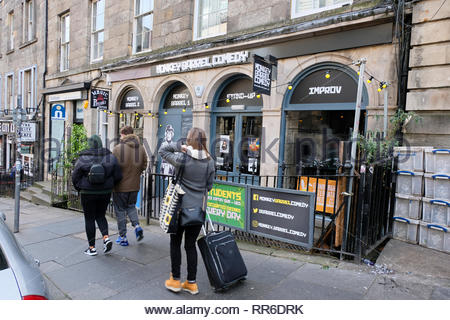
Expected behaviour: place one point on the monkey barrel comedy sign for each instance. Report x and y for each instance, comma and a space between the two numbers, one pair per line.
281, 214
262, 76
275, 213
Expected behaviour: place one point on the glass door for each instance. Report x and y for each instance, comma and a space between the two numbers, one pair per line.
250, 145
236, 145
224, 143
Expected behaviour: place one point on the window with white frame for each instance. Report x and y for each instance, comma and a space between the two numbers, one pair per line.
306, 7
28, 21
10, 44
98, 27
102, 126
143, 25
65, 42
27, 95
27, 88
9, 91
210, 18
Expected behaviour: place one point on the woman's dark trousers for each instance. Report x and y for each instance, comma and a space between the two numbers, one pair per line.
190, 238
94, 207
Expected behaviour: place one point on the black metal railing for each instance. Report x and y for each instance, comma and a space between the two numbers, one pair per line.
8, 182
345, 232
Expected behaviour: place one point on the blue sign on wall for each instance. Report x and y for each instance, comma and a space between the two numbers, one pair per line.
58, 112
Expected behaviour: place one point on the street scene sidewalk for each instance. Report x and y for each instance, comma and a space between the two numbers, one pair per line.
57, 238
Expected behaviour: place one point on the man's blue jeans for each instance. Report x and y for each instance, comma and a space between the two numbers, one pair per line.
125, 205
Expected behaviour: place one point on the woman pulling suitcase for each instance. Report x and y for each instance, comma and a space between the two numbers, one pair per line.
197, 179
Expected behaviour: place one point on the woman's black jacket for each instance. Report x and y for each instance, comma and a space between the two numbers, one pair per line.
113, 173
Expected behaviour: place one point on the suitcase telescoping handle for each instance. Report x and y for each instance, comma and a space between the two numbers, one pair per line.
210, 223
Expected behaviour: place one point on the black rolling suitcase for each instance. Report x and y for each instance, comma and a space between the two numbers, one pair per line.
222, 258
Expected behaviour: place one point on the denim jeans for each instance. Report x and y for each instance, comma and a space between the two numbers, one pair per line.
125, 205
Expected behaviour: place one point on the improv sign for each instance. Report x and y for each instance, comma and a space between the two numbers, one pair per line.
227, 204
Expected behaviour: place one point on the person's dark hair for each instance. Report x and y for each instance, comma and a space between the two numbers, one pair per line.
196, 138
126, 130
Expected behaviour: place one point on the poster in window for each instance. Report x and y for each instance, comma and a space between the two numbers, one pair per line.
253, 147
321, 185
219, 161
224, 144
252, 165
167, 168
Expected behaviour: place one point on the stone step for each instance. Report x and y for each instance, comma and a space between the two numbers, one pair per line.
34, 190
47, 191
42, 199
25, 195
44, 187
43, 184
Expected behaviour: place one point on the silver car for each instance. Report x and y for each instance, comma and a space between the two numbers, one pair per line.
20, 277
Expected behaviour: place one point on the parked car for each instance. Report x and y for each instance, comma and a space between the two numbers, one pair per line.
20, 277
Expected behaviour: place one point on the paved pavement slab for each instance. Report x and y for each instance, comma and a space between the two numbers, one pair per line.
56, 237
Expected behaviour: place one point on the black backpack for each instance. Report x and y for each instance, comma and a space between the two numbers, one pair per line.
96, 174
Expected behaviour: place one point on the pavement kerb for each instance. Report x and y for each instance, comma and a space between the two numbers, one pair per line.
325, 261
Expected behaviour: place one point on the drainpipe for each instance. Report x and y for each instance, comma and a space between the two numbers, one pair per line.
42, 122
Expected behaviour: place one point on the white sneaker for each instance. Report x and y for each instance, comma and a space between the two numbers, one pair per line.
90, 251
107, 245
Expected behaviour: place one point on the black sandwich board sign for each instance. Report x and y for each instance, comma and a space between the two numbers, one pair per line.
281, 214
262, 76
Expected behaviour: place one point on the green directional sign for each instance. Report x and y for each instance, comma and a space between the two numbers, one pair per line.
226, 204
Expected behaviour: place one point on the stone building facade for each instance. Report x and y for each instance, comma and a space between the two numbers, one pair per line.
164, 66
428, 78
22, 70
193, 78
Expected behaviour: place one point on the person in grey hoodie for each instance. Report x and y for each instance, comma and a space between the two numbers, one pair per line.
197, 179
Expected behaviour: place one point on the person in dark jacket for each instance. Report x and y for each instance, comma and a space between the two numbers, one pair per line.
95, 195
197, 179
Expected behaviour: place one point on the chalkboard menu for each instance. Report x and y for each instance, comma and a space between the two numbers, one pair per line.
283, 215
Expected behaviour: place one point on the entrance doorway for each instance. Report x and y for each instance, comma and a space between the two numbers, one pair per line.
237, 128
175, 120
237, 143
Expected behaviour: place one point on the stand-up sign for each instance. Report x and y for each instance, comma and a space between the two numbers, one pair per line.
283, 215
239, 94
99, 98
262, 76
